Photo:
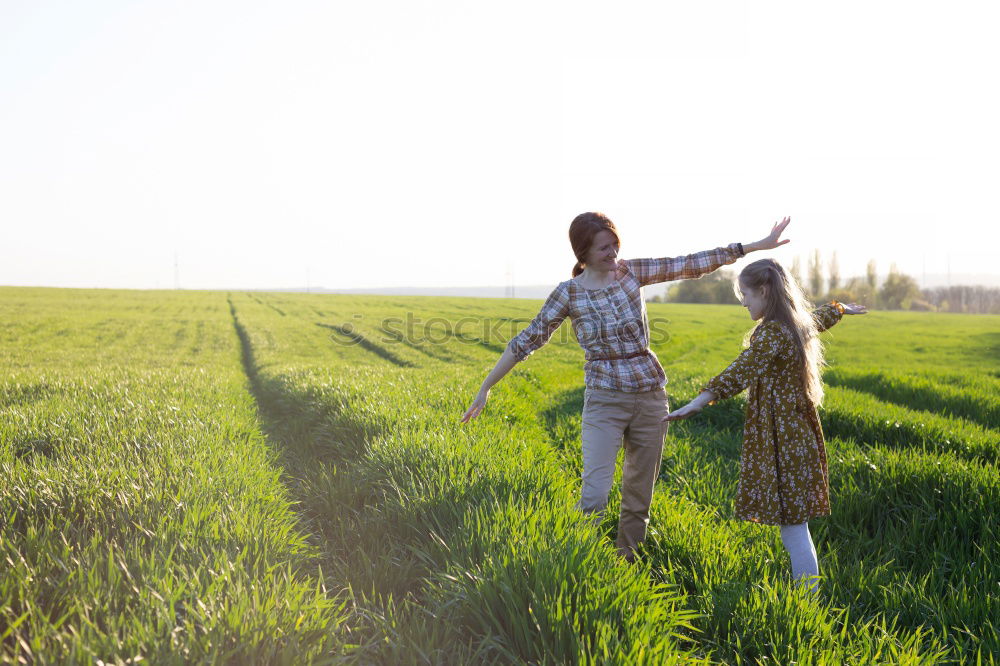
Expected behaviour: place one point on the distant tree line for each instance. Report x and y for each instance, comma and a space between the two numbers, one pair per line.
897, 291
717, 287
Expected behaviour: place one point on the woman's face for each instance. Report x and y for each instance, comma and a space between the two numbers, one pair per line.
603, 253
752, 300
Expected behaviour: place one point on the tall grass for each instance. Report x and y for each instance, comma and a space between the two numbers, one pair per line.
283, 478
460, 544
141, 512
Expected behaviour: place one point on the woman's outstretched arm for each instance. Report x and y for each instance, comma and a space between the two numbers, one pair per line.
537, 333
665, 269
772, 240
503, 366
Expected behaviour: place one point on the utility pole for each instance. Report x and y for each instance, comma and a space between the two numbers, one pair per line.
177, 272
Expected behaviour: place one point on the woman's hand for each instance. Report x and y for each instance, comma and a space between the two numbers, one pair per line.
854, 308
477, 406
772, 240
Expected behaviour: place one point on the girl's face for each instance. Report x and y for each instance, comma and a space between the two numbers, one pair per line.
603, 253
752, 300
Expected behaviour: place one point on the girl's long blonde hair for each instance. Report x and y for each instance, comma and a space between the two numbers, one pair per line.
785, 303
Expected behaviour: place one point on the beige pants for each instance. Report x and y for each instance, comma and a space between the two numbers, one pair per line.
608, 418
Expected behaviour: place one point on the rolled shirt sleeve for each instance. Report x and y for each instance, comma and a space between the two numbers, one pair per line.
537, 333
753, 362
828, 315
651, 271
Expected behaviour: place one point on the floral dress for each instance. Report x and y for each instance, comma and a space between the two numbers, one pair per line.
783, 469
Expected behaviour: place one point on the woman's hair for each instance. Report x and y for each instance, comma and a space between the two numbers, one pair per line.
785, 303
582, 231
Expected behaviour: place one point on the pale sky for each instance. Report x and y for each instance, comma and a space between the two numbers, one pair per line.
409, 143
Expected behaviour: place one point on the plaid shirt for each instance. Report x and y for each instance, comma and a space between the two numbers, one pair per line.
612, 321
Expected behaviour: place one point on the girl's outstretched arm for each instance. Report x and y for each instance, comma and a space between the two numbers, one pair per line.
704, 399
768, 341
828, 315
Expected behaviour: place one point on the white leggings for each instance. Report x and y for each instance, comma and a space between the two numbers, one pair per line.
800, 548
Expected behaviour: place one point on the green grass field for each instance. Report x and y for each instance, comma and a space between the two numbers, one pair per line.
283, 478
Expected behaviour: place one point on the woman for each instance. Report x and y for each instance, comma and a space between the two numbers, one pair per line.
624, 397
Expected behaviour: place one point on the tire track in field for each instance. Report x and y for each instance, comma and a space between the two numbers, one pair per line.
274, 415
268, 395
276, 309
445, 355
439, 332
856, 414
921, 395
368, 345
438, 355
473, 340
338, 480
316, 446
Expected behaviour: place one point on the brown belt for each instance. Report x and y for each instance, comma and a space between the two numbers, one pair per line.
616, 357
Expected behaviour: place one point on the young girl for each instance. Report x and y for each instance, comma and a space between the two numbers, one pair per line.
783, 470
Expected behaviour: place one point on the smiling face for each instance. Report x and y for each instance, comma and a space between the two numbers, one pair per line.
753, 300
603, 253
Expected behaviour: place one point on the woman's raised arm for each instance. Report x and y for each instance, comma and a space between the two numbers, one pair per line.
666, 269
772, 240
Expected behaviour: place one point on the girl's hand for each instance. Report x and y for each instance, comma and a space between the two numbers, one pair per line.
854, 308
477, 406
687, 410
